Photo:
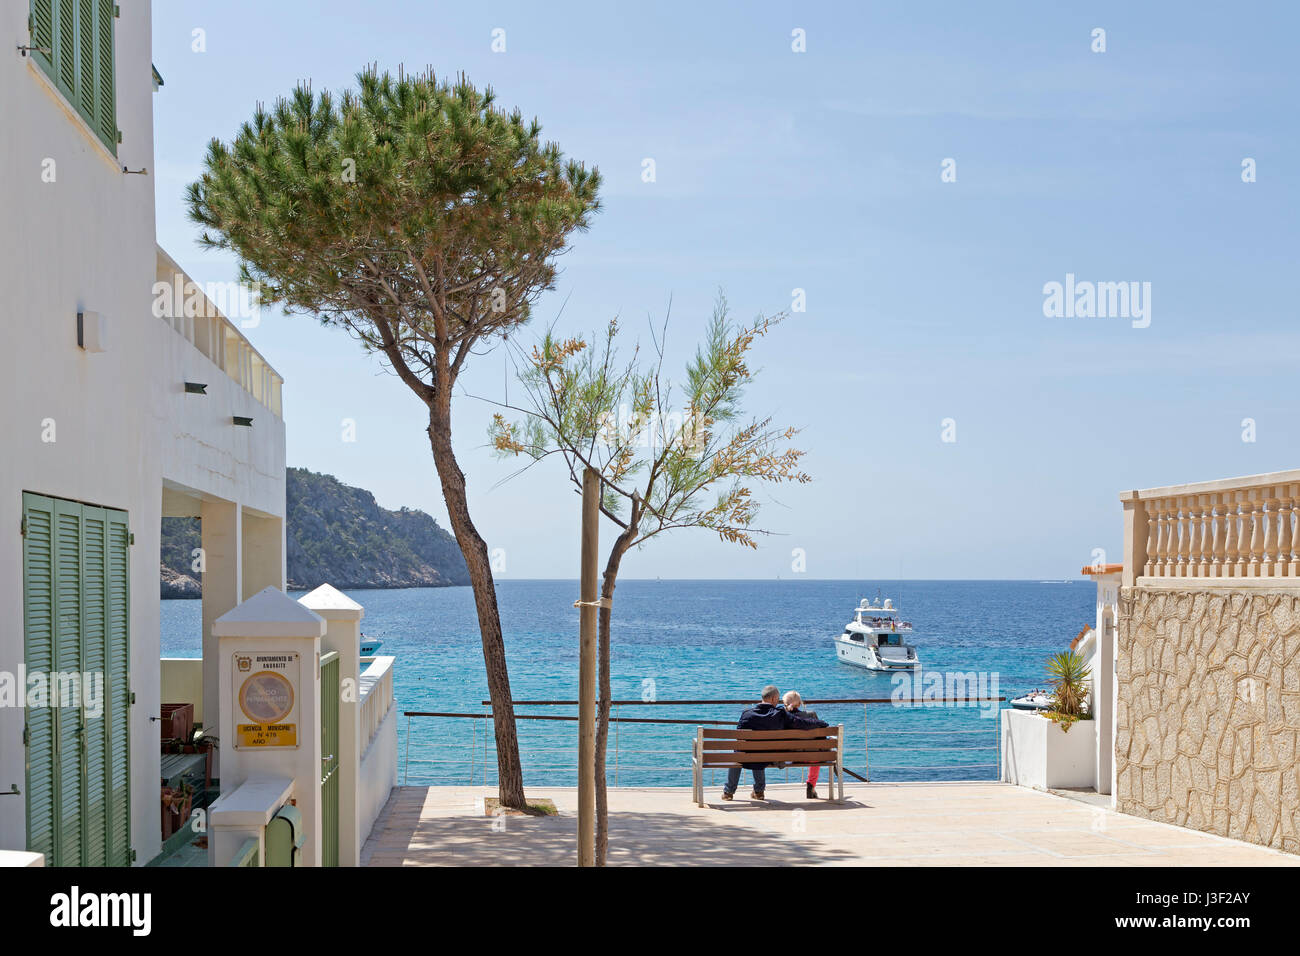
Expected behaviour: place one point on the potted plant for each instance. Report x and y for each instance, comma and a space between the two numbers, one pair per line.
1070, 683
1055, 748
176, 802
201, 743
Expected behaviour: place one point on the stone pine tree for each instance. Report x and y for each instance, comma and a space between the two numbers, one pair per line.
667, 458
423, 219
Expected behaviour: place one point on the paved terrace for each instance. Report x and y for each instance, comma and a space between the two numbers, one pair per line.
904, 824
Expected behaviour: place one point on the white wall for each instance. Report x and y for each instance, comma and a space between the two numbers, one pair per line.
378, 774
1037, 753
122, 420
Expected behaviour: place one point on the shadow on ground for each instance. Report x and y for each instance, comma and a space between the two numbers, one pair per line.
635, 839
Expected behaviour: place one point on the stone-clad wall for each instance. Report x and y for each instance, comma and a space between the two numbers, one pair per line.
1208, 711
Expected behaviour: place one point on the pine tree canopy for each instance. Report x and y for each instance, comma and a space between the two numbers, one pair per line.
412, 211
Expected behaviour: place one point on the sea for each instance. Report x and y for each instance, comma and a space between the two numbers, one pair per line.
703, 641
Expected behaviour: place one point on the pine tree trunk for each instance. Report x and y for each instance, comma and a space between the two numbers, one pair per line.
509, 770
604, 695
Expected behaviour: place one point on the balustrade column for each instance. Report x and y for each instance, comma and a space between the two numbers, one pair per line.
1240, 517
1293, 562
1220, 531
1284, 508
1256, 534
1191, 543
1269, 564
1153, 537
1184, 534
1169, 530
1205, 540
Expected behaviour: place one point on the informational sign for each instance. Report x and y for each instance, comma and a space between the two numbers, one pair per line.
267, 696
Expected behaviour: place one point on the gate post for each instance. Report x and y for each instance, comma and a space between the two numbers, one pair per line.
270, 715
343, 634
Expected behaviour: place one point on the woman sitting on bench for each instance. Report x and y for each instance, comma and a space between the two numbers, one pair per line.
793, 702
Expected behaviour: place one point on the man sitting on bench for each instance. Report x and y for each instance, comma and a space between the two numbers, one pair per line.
768, 715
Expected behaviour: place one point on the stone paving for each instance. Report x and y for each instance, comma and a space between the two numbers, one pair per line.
903, 824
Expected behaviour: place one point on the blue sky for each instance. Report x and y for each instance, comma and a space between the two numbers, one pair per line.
820, 171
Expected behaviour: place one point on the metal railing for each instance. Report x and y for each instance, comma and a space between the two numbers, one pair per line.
460, 757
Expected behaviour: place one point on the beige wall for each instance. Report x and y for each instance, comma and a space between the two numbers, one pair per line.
1208, 710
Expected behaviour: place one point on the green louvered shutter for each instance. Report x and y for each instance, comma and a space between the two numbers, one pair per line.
38, 627
65, 47
42, 25
105, 121
94, 661
79, 34
69, 740
118, 690
76, 603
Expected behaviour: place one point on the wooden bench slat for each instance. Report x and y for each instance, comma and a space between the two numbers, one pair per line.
715, 746
831, 732
713, 759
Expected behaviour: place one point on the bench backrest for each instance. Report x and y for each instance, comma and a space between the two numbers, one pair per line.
730, 747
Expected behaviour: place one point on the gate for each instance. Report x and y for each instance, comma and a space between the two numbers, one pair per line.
329, 752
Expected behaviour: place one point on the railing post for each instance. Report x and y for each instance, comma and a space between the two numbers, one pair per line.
866, 732
1135, 537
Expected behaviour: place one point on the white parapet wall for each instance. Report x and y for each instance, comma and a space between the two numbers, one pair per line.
1038, 753
378, 773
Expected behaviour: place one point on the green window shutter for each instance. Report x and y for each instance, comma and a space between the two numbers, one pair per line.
42, 26
94, 660
38, 627
76, 618
65, 47
105, 122
118, 689
79, 34
68, 740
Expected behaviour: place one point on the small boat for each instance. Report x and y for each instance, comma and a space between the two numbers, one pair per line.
369, 645
877, 639
1034, 700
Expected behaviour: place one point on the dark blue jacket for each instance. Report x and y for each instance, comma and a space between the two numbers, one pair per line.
775, 717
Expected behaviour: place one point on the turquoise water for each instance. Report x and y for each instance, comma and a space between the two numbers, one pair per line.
677, 640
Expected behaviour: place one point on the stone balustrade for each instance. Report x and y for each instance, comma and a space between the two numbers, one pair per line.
1235, 528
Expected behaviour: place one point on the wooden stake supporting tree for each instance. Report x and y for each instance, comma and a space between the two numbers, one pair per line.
587, 606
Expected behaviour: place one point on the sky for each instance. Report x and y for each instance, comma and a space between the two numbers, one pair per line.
922, 172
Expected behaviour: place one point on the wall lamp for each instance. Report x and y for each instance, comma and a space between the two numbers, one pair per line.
92, 331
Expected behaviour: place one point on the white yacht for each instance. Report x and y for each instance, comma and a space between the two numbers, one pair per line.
877, 639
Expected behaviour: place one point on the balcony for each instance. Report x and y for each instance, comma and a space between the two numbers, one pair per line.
1236, 532
191, 312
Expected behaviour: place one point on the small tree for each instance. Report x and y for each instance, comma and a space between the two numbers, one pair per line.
425, 221
662, 465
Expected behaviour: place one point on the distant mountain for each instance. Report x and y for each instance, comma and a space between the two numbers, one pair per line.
339, 535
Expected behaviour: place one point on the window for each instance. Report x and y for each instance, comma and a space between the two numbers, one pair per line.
73, 41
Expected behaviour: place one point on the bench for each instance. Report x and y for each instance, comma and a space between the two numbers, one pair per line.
822, 747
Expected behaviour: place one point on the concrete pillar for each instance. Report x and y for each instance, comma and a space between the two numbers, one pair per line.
263, 554
220, 528
343, 634
269, 665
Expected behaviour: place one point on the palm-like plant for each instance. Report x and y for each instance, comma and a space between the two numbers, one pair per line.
1070, 677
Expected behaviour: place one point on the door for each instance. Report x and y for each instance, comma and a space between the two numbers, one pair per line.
329, 753
76, 607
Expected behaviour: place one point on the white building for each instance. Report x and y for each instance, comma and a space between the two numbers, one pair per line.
104, 431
